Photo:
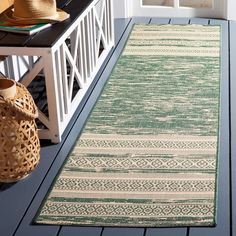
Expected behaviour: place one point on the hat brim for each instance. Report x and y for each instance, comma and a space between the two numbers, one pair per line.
60, 16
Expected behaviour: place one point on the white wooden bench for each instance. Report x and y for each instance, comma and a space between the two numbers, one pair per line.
64, 58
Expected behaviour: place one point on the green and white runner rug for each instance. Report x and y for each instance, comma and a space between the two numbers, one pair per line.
148, 153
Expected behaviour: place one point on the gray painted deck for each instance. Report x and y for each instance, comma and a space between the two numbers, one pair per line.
19, 202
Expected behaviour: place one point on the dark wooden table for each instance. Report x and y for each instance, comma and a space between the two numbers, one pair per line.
47, 37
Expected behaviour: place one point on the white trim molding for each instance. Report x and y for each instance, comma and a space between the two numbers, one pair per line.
230, 9
223, 9
122, 8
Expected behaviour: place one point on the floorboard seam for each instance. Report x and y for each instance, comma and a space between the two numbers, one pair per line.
59, 231
230, 144
188, 231
145, 231
102, 231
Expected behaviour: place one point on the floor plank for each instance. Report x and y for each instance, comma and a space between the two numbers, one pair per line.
166, 232
223, 221
141, 20
123, 232
233, 119
179, 21
120, 25
15, 198
80, 231
199, 21
160, 21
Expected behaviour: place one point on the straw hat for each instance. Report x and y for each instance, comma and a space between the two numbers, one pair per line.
35, 11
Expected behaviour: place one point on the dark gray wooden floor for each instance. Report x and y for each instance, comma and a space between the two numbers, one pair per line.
19, 202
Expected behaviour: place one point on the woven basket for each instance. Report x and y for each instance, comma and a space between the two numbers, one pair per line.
19, 142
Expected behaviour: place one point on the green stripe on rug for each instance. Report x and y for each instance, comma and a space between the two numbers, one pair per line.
148, 153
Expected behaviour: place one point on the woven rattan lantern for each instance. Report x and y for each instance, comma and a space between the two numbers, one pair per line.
19, 142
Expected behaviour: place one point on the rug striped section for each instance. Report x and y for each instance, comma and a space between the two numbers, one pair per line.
148, 153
